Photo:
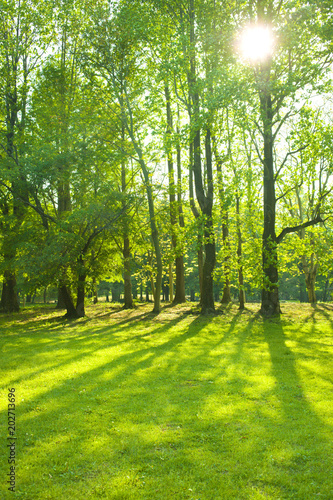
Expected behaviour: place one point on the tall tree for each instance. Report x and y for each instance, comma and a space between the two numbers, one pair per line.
278, 78
115, 59
175, 201
24, 34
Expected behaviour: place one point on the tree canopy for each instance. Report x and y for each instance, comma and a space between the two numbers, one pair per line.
143, 144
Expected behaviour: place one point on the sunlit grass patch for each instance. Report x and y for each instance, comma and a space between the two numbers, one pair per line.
127, 404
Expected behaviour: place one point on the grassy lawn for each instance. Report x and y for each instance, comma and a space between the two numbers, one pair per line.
127, 405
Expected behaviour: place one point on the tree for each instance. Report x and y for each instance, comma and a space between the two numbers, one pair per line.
115, 59
277, 81
312, 168
25, 32
176, 216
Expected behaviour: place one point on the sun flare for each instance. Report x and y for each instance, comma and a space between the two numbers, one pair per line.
256, 43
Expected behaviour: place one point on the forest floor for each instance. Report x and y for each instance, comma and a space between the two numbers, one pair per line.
130, 405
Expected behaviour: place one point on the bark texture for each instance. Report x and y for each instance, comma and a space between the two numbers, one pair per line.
128, 297
9, 299
176, 217
69, 304
239, 257
310, 268
270, 303
204, 196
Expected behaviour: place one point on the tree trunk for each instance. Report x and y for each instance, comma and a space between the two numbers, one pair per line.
95, 291
303, 295
154, 234
270, 304
9, 299
64, 201
64, 205
152, 284
13, 118
115, 294
69, 304
61, 304
310, 272
226, 297
180, 269
205, 199
196, 214
180, 281
174, 206
206, 205
80, 312
128, 297
165, 289
239, 258
200, 267
135, 290
325, 294
207, 302
127, 122
310, 286
170, 283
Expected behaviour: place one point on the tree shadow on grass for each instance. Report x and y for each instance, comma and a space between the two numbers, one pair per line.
71, 395
29, 324
86, 344
305, 433
326, 311
123, 396
173, 414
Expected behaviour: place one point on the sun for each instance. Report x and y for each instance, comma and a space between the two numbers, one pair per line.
256, 43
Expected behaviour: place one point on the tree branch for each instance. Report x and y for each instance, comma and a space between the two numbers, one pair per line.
282, 121
288, 230
290, 153
181, 99
256, 146
39, 210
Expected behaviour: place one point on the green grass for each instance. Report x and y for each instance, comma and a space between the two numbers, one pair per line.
127, 405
